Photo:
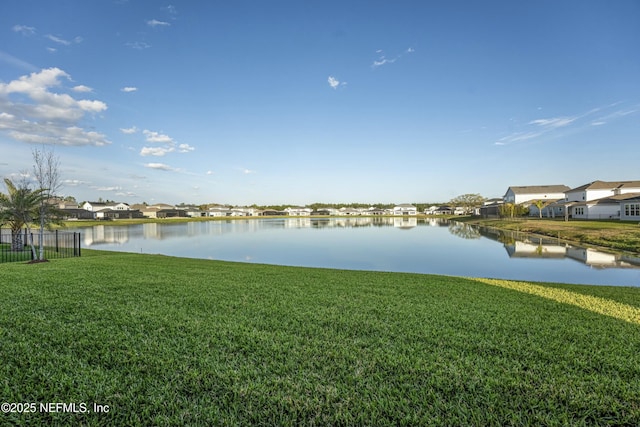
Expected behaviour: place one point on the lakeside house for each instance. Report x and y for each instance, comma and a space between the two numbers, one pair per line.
594, 200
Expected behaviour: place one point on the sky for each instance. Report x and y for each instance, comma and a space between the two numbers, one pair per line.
299, 102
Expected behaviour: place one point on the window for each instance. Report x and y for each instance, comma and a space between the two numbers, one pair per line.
632, 209
578, 211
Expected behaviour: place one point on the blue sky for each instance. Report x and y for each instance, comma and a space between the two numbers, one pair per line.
295, 102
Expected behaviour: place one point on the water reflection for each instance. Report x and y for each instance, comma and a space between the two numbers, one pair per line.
402, 244
520, 245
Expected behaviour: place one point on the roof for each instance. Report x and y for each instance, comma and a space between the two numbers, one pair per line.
536, 189
607, 185
611, 200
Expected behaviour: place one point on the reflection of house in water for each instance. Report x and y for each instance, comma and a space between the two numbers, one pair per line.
518, 245
600, 259
528, 249
101, 234
405, 222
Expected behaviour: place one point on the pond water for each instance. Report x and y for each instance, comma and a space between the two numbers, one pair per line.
397, 244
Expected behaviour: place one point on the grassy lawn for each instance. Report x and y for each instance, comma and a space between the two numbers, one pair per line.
168, 341
618, 235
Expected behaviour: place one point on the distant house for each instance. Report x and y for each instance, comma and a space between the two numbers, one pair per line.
523, 194
76, 213
405, 209
431, 210
444, 210
298, 211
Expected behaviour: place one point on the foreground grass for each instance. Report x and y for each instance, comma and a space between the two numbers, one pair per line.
618, 235
170, 341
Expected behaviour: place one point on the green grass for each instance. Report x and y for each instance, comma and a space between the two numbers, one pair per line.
168, 341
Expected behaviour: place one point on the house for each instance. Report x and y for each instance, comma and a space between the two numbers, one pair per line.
603, 200
444, 210
298, 211
431, 210
521, 194
76, 213
218, 211
599, 189
491, 208
405, 209
630, 207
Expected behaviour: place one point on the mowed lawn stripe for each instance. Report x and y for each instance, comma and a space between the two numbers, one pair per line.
595, 304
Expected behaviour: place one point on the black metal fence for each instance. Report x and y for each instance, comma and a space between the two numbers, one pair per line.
57, 244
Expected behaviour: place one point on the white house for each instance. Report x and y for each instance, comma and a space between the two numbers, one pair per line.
522, 194
405, 209
298, 211
604, 200
599, 189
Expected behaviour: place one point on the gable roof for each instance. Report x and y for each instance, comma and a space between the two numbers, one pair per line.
537, 189
607, 185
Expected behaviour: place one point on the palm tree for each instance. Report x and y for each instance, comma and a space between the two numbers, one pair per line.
18, 208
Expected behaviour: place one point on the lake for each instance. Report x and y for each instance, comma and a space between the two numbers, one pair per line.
408, 244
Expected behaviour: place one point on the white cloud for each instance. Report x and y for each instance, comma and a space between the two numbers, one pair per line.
248, 171
382, 61
129, 131
157, 137
63, 41
334, 83
156, 151
129, 89
160, 166
210, 172
553, 123
115, 188
73, 182
155, 23
24, 30
82, 88
138, 45
34, 112
185, 148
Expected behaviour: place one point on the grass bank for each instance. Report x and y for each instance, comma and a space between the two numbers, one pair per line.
168, 341
618, 235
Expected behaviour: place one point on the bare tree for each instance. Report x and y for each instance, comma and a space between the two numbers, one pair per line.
46, 171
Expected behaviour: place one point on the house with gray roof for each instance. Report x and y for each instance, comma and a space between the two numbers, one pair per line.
530, 193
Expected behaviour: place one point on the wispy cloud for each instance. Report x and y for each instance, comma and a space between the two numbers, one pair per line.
82, 88
24, 30
155, 23
556, 125
138, 45
383, 60
129, 89
160, 166
64, 42
129, 131
17, 62
33, 112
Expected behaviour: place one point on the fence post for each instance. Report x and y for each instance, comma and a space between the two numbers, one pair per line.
57, 250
